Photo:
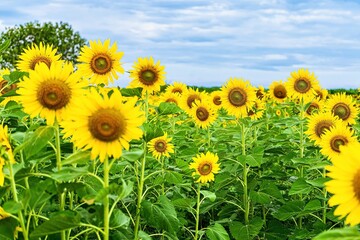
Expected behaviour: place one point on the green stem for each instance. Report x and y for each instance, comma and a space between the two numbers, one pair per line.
245, 172
301, 150
106, 199
197, 212
324, 201
14, 191
162, 159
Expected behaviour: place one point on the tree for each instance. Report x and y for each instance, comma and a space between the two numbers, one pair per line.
60, 35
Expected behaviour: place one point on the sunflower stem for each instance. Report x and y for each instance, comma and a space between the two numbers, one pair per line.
14, 191
197, 212
324, 201
245, 172
301, 149
106, 199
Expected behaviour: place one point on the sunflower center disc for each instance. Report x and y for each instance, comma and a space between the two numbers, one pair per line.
302, 85
191, 99
319, 94
107, 125
205, 169
356, 185
148, 77
322, 126
54, 95
217, 100
171, 100
5, 88
176, 90
342, 111
259, 94
237, 97
160, 146
280, 92
202, 113
336, 142
101, 64
40, 59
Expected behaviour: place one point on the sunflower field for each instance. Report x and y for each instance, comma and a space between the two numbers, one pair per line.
82, 160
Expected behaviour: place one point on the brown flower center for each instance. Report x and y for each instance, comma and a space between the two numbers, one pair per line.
40, 59
54, 94
319, 94
336, 142
259, 94
5, 88
177, 90
356, 185
280, 91
160, 146
107, 125
341, 110
204, 168
191, 99
321, 126
237, 97
217, 100
148, 77
202, 114
171, 100
302, 85
312, 107
101, 63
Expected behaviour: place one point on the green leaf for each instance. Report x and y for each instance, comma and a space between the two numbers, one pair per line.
347, 233
61, 221
166, 108
185, 203
289, 210
79, 157
144, 236
5, 45
119, 219
246, 232
7, 228
217, 232
12, 207
173, 177
260, 197
300, 186
313, 205
254, 160
319, 182
132, 155
69, 173
207, 194
131, 92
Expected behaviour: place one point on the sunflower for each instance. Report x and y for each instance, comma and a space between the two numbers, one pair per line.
277, 91
260, 92
5, 88
176, 87
100, 62
339, 135
161, 146
345, 184
237, 97
278, 112
6, 153
205, 165
147, 74
321, 93
104, 124
302, 84
49, 92
37, 54
203, 114
343, 106
170, 97
257, 111
318, 123
215, 97
3, 214
189, 97
315, 106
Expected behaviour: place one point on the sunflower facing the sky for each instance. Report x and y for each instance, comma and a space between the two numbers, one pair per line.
343, 106
203, 114
105, 124
37, 54
302, 84
100, 62
147, 74
277, 91
205, 165
345, 184
161, 146
50, 92
339, 135
237, 97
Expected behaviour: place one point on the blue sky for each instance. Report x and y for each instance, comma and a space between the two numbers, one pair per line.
204, 42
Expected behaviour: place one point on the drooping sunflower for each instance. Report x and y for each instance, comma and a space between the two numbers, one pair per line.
5, 88
321, 93
277, 91
189, 97
177, 88
205, 165
100, 62
215, 96
203, 114
37, 54
147, 74
50, 92
332, 139
237, 97
343, 106
318, 123
345, 184
315, 106
260, 92
257, 110
161, 146
302, 84
105, 124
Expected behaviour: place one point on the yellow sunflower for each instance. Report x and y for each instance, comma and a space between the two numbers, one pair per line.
104, 124
318, 123
302, 84
237, 97
161, 146
315, 106
260, 92
3, 214
189, 97
278, 112
332, 139
147, 74
37, 54
170, 97
6, 151
50, 92
2, 176
345, 184
100, 62
176, 87
343, 106
203, 114
205, 165
277, 91
215, 96
257, 111
321, 93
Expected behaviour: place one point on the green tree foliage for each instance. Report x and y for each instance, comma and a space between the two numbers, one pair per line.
60, 35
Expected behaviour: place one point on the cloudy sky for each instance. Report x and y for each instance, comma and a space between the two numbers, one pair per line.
205, 42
